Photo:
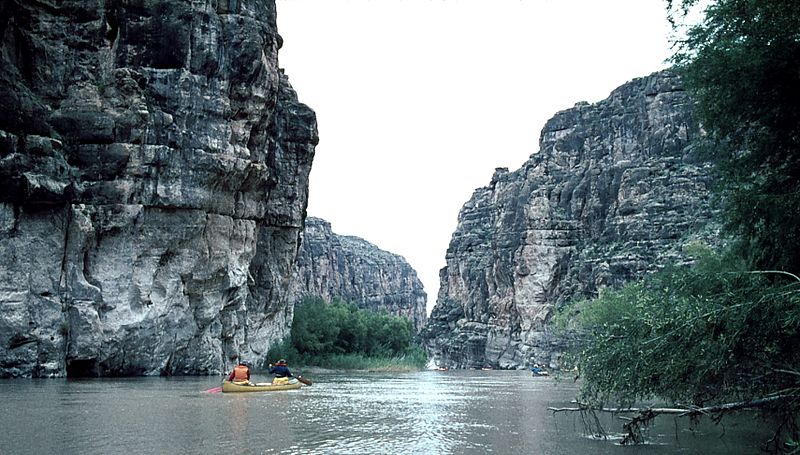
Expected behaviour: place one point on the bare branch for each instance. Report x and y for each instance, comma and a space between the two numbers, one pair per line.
682, 412
766, 272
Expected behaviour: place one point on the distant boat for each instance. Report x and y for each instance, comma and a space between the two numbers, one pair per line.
538, 371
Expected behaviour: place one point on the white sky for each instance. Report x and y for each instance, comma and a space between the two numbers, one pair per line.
418, 101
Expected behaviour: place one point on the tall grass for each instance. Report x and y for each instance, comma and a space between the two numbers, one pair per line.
407, 362
414, 360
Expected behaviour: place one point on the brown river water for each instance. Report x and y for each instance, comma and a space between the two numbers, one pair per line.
430, 412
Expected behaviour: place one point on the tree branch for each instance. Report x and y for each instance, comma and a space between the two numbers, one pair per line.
766, 272
681, 412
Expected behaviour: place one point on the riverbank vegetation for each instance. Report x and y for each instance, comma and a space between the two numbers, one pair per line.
339, 335
722, 334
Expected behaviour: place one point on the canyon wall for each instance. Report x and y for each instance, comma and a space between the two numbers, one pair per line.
614, 192
154, 167
331, 265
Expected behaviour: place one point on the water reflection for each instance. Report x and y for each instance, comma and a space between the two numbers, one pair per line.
238, 420
456, 412
384, 414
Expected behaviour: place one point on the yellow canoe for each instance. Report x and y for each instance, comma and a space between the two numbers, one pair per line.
229, 387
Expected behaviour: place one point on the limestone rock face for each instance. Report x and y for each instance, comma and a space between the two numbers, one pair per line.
614, 192
331, 265
154, 167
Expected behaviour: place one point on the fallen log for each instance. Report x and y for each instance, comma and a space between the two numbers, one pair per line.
644, 416
681, 412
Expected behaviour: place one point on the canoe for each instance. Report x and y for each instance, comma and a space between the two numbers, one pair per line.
229, 387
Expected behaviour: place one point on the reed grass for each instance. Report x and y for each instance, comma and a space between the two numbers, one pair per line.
413, 361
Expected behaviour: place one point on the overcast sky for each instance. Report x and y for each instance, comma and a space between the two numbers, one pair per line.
418, 101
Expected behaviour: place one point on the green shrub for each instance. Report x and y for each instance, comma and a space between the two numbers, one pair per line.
341, 335
701, 335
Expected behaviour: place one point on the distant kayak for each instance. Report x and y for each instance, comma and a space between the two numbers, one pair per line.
229, 387
536, 370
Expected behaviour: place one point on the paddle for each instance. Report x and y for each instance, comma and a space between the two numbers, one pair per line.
302, 379
214, 390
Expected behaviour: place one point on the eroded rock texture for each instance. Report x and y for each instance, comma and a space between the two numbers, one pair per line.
614, 192
154, 169
331, 265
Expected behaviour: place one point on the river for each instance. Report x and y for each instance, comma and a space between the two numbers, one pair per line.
431, 412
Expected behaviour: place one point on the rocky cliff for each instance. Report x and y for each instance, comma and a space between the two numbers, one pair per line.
614, 192
154, 167
331, 265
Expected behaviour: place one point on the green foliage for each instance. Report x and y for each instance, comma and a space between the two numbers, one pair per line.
701, 335
283, 350
314, 329
340, 333
414, 359
741, 64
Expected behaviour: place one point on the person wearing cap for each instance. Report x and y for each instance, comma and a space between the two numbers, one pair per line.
280, 371
240, 374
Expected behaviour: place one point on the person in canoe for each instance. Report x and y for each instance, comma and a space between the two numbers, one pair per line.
240, 374
281, 372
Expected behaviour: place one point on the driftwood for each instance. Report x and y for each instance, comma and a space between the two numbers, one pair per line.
681, 412
644, 416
